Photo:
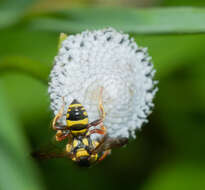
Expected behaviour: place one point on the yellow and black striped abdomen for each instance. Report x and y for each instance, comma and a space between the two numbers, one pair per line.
77, 118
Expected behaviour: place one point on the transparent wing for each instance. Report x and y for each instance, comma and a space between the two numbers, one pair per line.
48, 155
109, 143
51, 150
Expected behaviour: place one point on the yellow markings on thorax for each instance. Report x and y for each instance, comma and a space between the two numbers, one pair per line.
81, 152
81, 122
85, 141
95, 143
75, 143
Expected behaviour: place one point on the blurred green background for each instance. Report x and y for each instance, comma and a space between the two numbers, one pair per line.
168, 153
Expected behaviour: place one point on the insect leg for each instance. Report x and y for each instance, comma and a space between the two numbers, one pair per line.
62, 134
95, 123
98, 131
50, 155
105, 154
101, 108
102, 130
57, 117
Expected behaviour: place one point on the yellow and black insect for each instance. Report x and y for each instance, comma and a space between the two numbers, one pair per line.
82, 151
77, 121
80, 147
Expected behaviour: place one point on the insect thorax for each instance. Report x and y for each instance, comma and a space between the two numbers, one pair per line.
81, 148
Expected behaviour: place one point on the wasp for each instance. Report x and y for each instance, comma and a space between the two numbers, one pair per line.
77, 121
81, 148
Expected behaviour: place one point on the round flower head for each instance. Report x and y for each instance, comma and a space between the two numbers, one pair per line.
110, 60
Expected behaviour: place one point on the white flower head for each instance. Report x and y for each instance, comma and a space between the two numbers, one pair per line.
109, 59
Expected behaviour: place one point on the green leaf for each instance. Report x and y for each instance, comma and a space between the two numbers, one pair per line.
171, 52
12, 10
17, 169
178, 176
138, 21
23, 64
29, 52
